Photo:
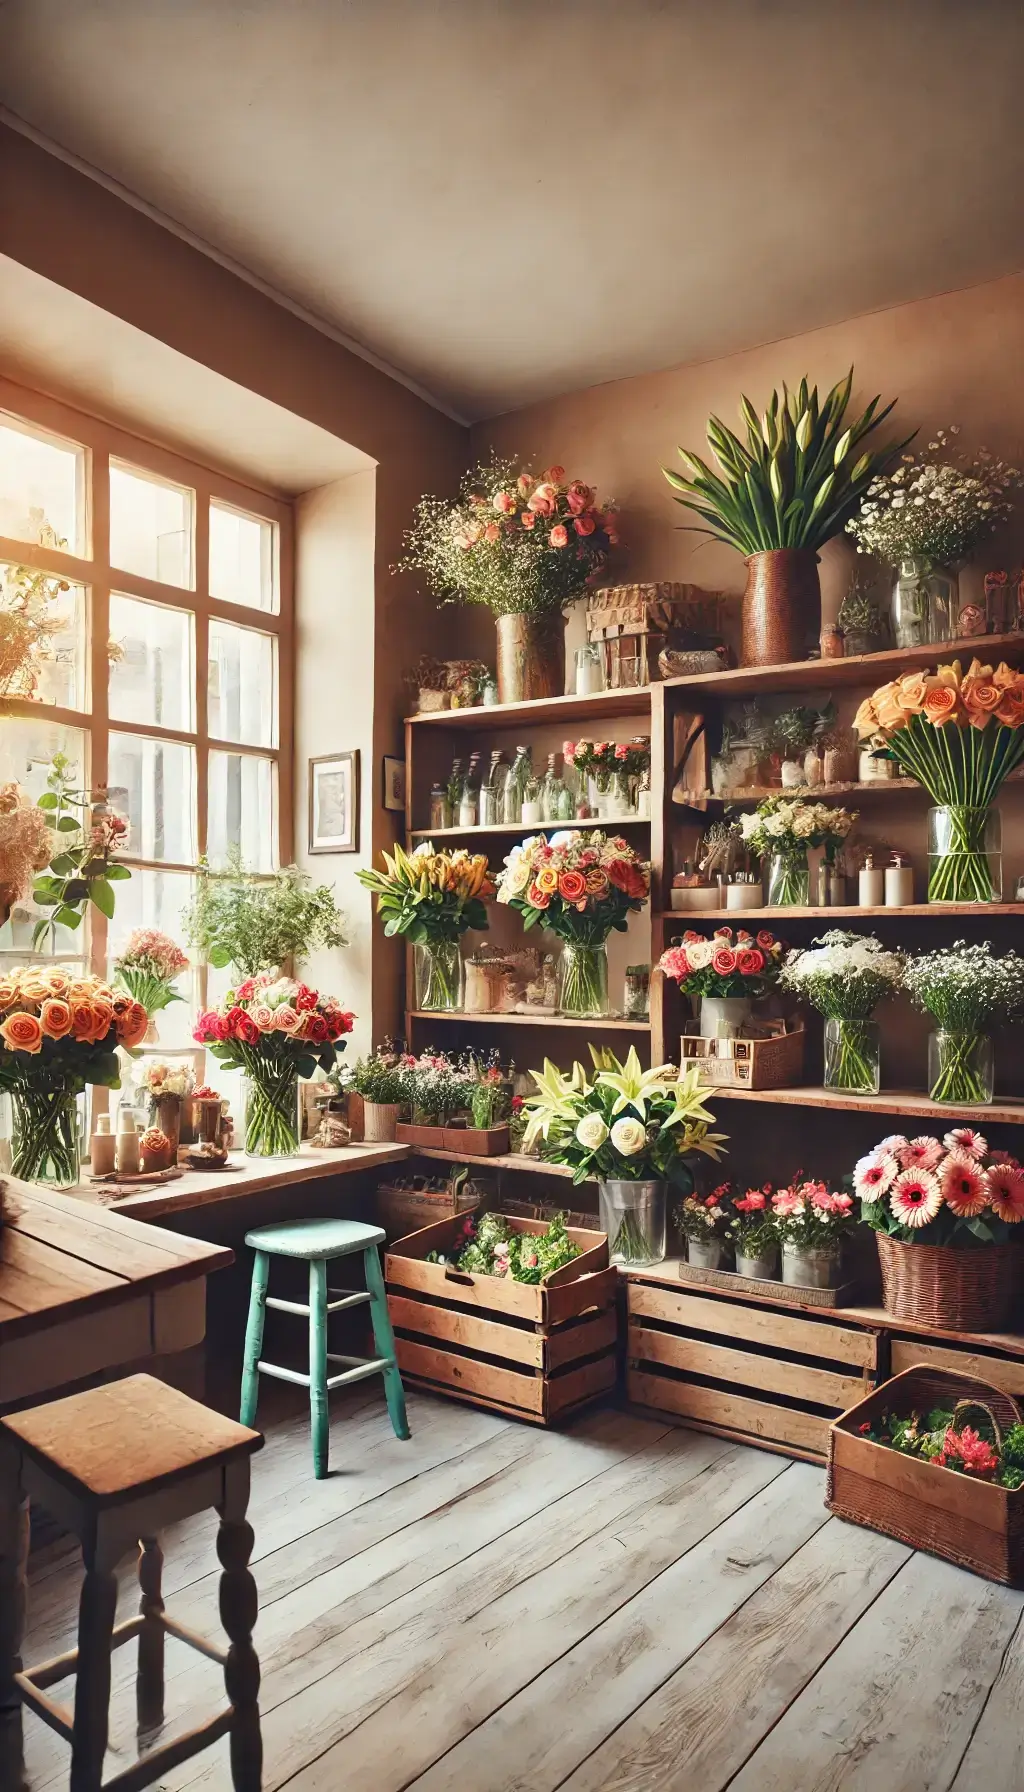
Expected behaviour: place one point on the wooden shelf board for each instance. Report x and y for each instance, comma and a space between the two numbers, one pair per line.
894, 1102
518, 829
757, 793
861, 669
527, 1020
509, 1160
544, 710
738, 917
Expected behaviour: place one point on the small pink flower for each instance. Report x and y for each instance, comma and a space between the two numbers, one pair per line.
492, 532
559, 537
874, 1175
921, 1153
528, 520
965, 1139
505, 503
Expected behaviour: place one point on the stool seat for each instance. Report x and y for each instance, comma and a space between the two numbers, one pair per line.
314, 1239
127, 1438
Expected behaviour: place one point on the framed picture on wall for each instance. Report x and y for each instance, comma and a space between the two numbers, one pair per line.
334, 803
394, 783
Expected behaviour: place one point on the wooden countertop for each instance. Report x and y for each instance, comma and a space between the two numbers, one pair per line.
247, 1176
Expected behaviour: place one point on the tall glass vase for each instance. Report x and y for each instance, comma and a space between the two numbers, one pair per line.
965, 861
439, 976
961, 1069
272, 1126
45, 1143
924, 603
583, 981
789, 880
852, 1056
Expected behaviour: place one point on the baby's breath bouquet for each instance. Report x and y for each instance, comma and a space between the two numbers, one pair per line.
935, 505
967, 990
844, 976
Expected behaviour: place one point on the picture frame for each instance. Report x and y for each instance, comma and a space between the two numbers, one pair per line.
334, 802
393, 784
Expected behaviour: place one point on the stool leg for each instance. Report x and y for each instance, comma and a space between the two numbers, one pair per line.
318, 1365
254, 1338
239, 1604
149, 1680
13, 1579
96, 1613
384, 1340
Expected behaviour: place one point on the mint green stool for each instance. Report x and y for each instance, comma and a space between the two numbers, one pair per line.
319, 1242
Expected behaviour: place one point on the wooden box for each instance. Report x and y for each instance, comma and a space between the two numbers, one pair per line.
538, 1352
402, 1209
632, 622
740, 1368
972, 1523
476, 1141
408, 1134
775, 1063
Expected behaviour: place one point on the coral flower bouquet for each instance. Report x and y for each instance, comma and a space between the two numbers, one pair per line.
148, 967
58, 1033
583, 886
276, 1031
727, 964
960, 734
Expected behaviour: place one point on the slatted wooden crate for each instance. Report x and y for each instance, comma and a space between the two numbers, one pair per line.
535, 1352
985, 1362
742, 1369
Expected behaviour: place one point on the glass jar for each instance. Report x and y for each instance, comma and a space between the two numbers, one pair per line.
853, 1056
518, 776
589, 670
583, 981
635, 1217
965, 858
620, 797
961, 1069
789, 880
532, 814
438, 973
440, 808
638, 991
924, 603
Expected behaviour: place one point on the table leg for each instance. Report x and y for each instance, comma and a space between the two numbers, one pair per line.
13, 1588
238, 1608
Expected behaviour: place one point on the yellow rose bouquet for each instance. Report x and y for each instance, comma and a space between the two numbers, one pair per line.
59, 1032
960, 734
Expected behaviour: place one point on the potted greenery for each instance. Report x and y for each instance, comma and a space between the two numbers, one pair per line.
811, 1224
484, 1132
259, 923
860, 619
438, 1088
633, 1130
754, 1231
780, 496
524, 545
382, 1080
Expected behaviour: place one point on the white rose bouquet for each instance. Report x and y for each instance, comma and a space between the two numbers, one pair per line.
781, 829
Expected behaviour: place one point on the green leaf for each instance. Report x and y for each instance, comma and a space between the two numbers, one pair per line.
67, 917
47, 801
63, 865
68, 825
117, 874
220, 958
306, 1066
102, 897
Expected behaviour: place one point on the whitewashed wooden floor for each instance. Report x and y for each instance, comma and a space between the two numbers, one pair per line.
625, 1605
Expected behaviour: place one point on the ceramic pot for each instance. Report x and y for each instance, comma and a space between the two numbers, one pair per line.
723, 1017
781, 606
531, 657
379, 1121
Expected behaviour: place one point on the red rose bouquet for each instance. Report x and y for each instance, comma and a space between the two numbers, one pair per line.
727, 964
275, 1030
583, 886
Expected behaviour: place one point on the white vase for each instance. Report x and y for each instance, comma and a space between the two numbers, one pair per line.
723, 1017
792, 774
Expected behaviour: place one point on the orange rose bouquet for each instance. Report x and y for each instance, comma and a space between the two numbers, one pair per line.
583, 886
960, 734
59, 1031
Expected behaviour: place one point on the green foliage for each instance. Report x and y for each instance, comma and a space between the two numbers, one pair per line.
383, 1078
795, 482
490, 1247
82, 869
257, 923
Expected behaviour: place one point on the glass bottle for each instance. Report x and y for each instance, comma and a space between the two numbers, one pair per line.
469, 796
533, 807
519, 774
552, 792
456, 779
491, 791
440, 808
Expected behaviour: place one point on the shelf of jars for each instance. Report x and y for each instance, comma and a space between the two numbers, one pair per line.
512, 830
933, 911
591, 1023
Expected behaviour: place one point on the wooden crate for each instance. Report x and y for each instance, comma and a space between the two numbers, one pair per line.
536, 1352
742, 1369
402, 1209
1004, 1371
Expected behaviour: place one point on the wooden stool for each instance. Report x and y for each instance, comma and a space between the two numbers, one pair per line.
319, 1242
114, 1465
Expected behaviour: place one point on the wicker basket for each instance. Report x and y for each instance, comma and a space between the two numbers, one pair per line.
971, 1523
775, 1063
957, 1291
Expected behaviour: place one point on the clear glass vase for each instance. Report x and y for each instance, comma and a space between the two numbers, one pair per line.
272, 1121
583, 981
789, 880
46, 1138
439, 976
961, 1069
620, 797
924, 603
635, 1217
853, 1056
965, 857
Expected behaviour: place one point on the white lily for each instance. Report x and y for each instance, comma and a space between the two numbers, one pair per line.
635, 1085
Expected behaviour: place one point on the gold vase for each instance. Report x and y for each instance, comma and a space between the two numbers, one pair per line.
781, 606
531, 657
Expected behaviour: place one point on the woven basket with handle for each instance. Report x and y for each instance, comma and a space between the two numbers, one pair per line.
957, 1290
972, 1523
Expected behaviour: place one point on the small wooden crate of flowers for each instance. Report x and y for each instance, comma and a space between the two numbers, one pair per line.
536, 1350
935, 1459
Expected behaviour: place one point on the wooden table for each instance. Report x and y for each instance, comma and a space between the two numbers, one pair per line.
81, 1290
246, 1176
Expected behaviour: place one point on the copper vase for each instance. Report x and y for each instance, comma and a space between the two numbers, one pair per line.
531, 657
781, 606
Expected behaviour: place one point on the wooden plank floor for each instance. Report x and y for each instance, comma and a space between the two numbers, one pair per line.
492, 1608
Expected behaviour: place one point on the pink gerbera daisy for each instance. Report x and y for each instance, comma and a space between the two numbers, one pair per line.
964, 1139
964, 1185
1006, 1193
892, 1146
921, 1153
1004, 1157
873, 1176
916, 1197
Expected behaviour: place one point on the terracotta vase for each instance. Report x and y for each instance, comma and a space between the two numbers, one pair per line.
531, 657
781, 606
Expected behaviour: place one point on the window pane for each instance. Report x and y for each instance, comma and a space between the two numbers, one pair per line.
150, 525
242, 685
242, 810
27, 746
156, 899
151, 664
40, 487
55, 612
153, 783
241, 558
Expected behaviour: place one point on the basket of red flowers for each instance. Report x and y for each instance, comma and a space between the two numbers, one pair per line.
935, 1459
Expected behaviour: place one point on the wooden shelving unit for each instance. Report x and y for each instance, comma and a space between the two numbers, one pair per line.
516, 831
865, 670
909, 1103
600, 706
528, 1020
926, 911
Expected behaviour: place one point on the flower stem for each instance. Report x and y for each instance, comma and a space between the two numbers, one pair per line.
271, 1113
850, 1058
961, 1080
45, 1141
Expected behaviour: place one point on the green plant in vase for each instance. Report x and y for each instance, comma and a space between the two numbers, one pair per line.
258, 922
845, 976
83, 868
967, 990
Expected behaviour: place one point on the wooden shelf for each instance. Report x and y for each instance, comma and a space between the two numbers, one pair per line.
512, 829
738, 917
894, 1102
598, 707
861, 669
527, 1020
509, 1160
819, 792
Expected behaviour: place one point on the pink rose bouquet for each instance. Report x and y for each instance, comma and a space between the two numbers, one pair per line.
727, 964
275, 1030
583, 886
